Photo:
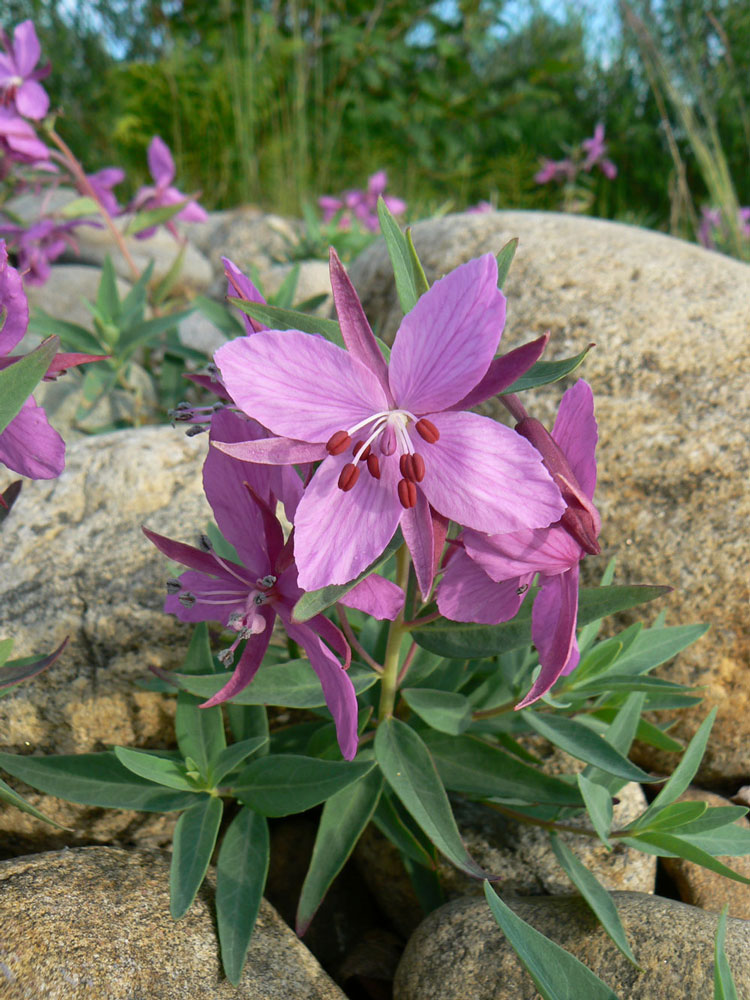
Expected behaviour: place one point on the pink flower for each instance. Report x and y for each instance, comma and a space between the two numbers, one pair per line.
595, 148
161, 193
19, 143
480, 208
247, 597
555, 170
102, 182
18, 78
488, 582
39, 245
398, 445
361, 205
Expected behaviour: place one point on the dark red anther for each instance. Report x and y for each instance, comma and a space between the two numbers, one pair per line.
365, 454
373, 466
338, 442
349, 476
404, 464
407, 494
417, 464
427, 430
412, 467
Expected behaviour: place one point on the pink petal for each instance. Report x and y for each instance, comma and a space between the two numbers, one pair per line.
417, 529
337, 687
273, 451
543, 550
553, 629
192, 212
483, 475
30, 447
246, 669
160, 162
298, 385
467, 594
332, 635
32, 100
377, 597
445, 344
239, 285
337, 534
215, 599
503, 372
356, 331
196, 559
26, 47
14, 302
576, 433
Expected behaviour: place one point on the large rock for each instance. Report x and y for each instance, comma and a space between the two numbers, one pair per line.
95, 922
459, 952
63, 293
670, 377
251, 238
76, 563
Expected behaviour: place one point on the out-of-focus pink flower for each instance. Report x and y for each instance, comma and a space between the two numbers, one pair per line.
162, 193
19, 143
39, 245
102, 182
361, 205
480, 208
595, 148
713, 226
19, 88
555, 170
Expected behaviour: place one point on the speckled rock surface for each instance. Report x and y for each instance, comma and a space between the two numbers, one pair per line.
251, 238
459, 952
705, 888
94, 922
62, 293
670, 377
520, 854
76, 563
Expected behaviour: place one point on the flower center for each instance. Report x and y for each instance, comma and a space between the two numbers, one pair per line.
387, 432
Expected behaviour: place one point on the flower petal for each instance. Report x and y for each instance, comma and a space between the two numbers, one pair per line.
32, 100
13, 299
238, 284
503, 372
273, 451
29, 446
446, 342
26, 47
553, 629
483, 475
246, 669
160, 162
544, 550
417, 529
298, 385
215, 599
467, 594
576, 433
337, 534
376, 596
196, 559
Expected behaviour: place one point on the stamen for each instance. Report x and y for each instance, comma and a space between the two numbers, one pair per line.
349, 476
427, 430
195, 430
361, 450
205, 544
418, 466
373, 466
338, 443
407, 494
522, 589
267, 581
388, 440
187, 600
226, 656
173, 586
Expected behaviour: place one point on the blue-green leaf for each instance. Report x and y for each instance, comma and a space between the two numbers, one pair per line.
162, 770
504, 260
290, 319
446, 711
192, 846
281, 784
724, 987
230, 758
544, 372
681, 847
9, 795
599, 807
398, 251
18, 381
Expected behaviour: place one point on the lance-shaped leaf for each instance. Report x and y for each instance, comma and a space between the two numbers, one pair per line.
401, 260
277, 318
724, 987
241, 871
162, 770
504, 260
556, 973
15, 671
419, 278
655, 646
671, 846
344, 818
9, 795
199, 731
544, 372
411, 773
394, 827
446, 711
153, 217
18, 381
192, 846
599, 806
230, 758
282, 784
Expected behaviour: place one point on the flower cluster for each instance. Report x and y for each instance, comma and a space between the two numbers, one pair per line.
361, 206
590, 154
713, 227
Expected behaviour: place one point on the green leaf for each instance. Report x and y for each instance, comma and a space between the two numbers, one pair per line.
79, 207
344, 818
6, 648
504, 260
148, 331
162, 770
277, 318
230, 758
724, 987
595, 895
680, 847
94, 779
220, 316
730, 840
72, 336
293, 684
282, 784
16, 671
544, 372
18, 381
714, 818
419, 278
192, 846
169, 280
685, 771
676, 815
107, 297
200, 731
9, 795
247, 722
392, 826
411, 773
315, 601
241, 871
472, 766
556, 973
655, 646
398, 251
153, 217
599, 807
579, 741
587, 634
445, 711
620, 735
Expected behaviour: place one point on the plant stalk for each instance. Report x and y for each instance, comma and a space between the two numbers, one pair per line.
389, 681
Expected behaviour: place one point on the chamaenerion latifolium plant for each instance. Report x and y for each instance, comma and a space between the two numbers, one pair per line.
404, 573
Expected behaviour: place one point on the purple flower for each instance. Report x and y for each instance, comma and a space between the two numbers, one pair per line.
595, 148
480, 208
19, 143
18, 78
361, 205
248, 597
555, 170
39, 245
398, 444
161, 193
488, 581
102, 182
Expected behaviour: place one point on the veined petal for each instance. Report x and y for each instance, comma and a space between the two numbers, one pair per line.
576, 433
376, 596
544, 550
337, 534
247, 668
553, 629
196, 559
503, 372
298, 385
215, 599
417, 529
467, 594
446, 342
355, 329
273, 451
337, 687
241, 286
29, 446
485, 476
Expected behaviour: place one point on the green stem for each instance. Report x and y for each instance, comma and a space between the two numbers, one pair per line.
389, 681
550, 824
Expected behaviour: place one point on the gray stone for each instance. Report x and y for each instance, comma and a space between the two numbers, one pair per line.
251, 238
95, 922
459, 952
63, 292
670, 378
313, 280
